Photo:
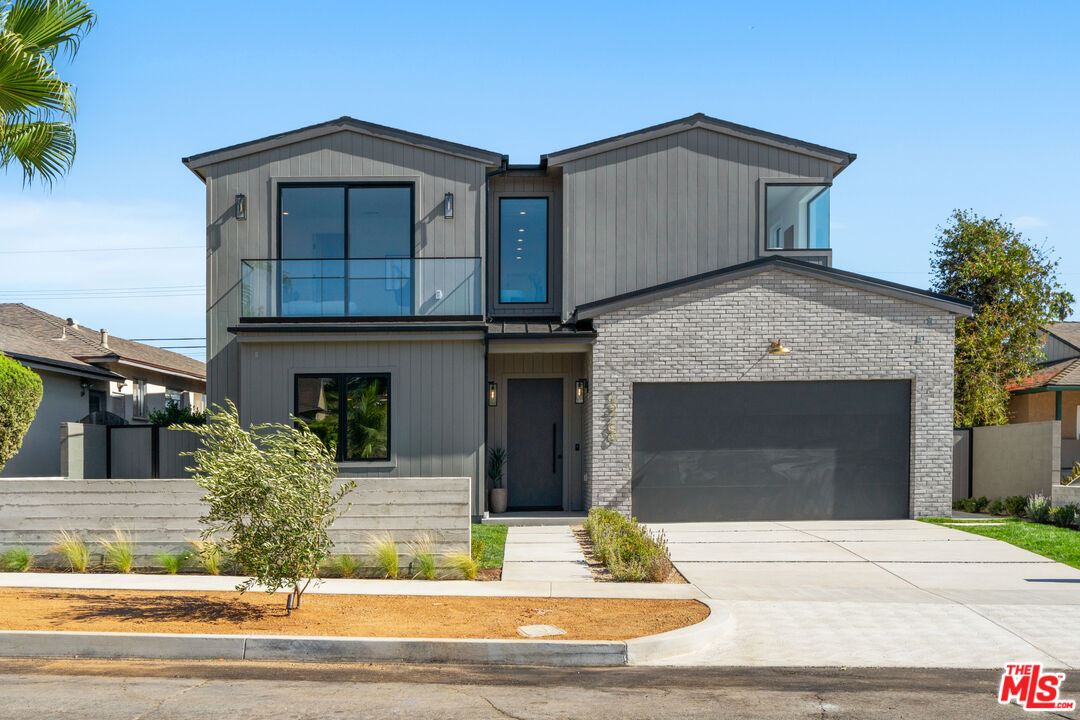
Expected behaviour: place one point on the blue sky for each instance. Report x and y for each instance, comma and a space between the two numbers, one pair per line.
960, 104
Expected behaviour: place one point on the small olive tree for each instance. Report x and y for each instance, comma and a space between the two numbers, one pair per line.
20, 395
271, 494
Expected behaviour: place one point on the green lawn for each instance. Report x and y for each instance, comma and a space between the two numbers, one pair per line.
494, 538
1056, 543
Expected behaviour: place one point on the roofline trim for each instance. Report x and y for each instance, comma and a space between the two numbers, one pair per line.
87, 371
700, 120
344, 123
1045, 388
596, 308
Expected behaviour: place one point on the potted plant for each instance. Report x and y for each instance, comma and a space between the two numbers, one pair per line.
496, 464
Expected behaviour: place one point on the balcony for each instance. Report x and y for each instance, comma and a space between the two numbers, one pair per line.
361, 287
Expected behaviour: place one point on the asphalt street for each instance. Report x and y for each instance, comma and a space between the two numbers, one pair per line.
155, 690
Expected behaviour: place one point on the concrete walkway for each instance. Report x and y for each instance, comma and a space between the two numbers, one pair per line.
547, 552
878, 593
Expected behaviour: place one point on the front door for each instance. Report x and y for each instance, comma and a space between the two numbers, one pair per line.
534, 438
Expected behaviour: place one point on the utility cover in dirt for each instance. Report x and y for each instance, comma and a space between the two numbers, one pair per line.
540, 630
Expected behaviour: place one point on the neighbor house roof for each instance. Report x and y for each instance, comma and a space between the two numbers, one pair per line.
839, 158
798, 267
1051, 375
346, 124
31, 332
1067, 332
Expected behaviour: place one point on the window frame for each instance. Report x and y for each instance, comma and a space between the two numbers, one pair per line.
496, 302
807, 254
342, 378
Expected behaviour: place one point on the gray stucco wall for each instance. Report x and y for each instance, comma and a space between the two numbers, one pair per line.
1016, 459
164, 514
436, 395
63, 400
722, 334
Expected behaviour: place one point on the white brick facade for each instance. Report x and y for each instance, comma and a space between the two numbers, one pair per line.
722, 334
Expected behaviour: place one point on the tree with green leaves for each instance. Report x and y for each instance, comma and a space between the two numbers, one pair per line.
1014, 288
37, 108
271, 495
20, 395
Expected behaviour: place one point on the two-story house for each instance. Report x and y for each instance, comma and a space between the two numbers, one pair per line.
650, 322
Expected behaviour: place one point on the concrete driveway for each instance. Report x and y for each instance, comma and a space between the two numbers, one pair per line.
878, 593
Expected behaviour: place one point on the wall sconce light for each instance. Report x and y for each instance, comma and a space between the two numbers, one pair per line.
241, 207
448, 206
778, 348
581, 389
493, 393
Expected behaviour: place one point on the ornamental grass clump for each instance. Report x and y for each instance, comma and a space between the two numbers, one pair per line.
74, 551
464, 563
422, 551
272, 497
628, 550
384, 555
17, 559
343, 566
171, 562
209, 555
1038, 508
119, 551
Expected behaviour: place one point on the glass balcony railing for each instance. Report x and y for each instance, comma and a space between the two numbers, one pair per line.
383, 287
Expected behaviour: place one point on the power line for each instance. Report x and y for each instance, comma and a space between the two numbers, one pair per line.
102, 250
164, 339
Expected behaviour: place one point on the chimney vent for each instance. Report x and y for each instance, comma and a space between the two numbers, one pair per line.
71, 323
104, 337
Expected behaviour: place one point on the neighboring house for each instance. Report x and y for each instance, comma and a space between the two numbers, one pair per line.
649, 322
88, 375
1053, 391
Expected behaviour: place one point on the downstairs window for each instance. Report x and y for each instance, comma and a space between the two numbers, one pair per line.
349, 412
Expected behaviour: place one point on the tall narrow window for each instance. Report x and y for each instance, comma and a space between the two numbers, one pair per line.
350, 413
797, 217
523, 250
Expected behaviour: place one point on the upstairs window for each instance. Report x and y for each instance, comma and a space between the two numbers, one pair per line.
523, 250
797, 217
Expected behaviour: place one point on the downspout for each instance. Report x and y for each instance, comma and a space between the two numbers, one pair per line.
502, 168
482, 469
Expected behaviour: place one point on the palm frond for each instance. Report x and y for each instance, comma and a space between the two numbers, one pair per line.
44, 27
28, 84
42, 149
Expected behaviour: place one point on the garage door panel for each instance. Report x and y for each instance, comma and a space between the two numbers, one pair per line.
770, 451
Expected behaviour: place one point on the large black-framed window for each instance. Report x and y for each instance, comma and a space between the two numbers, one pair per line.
523, 250
348, 411
345, 248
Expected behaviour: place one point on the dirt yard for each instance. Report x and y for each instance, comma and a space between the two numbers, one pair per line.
344, 615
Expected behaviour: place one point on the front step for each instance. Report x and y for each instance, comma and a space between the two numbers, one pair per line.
534, 519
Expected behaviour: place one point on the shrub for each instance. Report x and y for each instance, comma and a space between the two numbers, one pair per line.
344, 566
477, 548
1015, 505
1074, 474
957, 504
171, 562
173, 414
980, 503
271, 497
384, 553
466, 564
1064, 516
73, 550
1038, 508
119, 551
627, 549
422, 551
17, 559
208, 554
20, 395
997, 507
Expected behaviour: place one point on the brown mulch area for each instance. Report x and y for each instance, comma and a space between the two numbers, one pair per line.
341, 615
599, 570
487, 574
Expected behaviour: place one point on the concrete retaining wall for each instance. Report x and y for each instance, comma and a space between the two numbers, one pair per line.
1065, 495
162, 514
1016, 459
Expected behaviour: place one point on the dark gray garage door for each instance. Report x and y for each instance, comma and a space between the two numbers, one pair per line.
771, 450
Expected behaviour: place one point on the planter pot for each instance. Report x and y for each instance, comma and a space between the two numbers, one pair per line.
497, 500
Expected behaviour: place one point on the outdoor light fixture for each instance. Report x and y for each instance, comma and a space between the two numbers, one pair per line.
493, 393
581, 388
448, 206
241, 207
778, 348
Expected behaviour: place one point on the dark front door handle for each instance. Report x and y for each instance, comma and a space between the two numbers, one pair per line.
554, 445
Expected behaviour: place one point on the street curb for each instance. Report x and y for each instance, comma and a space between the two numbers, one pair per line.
182, 646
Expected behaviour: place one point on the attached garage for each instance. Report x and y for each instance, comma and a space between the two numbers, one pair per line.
813, 450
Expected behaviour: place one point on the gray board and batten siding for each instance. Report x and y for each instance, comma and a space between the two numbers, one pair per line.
344, 155
667, 208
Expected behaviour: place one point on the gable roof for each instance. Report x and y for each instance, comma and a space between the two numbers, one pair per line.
344, 123
31, 332
839, 158
777, 262
1062, 373
1067, 332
